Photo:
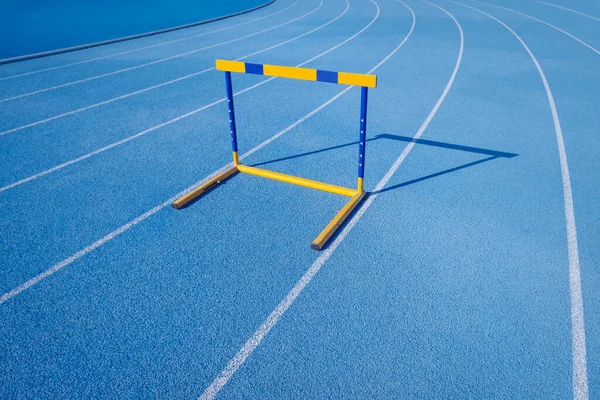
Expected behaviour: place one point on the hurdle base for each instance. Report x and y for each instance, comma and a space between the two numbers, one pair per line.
205, 187
356, 196
337, 221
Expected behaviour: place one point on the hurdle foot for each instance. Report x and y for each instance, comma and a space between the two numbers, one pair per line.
337, 221
205, 187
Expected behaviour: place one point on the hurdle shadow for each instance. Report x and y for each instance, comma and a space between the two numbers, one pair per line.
491, 155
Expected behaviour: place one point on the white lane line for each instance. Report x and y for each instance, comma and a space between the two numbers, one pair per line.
137, 135
589, 46
43, 121
51, 271
242, 355
568, 9
580, 379
187, 53
146, 47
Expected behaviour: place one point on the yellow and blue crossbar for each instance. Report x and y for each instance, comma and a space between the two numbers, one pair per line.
356, 195
305, 74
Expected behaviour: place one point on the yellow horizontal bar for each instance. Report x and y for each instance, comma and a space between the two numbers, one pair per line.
346, 78
231, 66
295, 180
336, 222
306, 74
205, 187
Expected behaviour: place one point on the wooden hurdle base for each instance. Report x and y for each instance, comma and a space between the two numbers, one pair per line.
205, 187
356, 196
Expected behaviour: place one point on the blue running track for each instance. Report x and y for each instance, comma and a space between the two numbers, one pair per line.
471, 270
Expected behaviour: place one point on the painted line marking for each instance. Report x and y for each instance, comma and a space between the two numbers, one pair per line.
57, 267
580, 378
187, 53
568, 9
545, 23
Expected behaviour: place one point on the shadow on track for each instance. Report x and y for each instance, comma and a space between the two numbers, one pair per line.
493, 154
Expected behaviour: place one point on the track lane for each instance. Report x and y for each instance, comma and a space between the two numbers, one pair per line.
583, 43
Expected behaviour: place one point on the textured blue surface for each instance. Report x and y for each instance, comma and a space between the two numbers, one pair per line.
35, 26
453, 284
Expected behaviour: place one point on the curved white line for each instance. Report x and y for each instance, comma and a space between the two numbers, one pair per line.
187, 53
137, 135
57, 267
580, 379
242, 355
568, 9
589, 46
145, 47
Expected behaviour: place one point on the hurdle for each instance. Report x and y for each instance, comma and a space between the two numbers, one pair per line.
343, 78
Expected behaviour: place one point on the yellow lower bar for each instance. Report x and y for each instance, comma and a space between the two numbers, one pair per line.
297, 180
206, 186
336, 222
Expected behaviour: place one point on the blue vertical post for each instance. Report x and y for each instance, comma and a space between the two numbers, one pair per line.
234, 146
363, 137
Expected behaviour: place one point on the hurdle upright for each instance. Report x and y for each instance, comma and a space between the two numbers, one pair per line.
344, 78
